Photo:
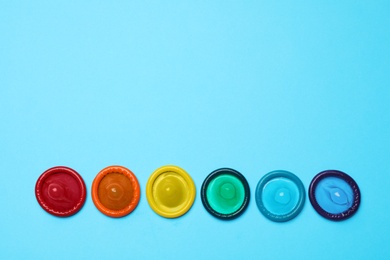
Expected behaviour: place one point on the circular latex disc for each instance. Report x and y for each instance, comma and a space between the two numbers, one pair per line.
115, 191
280, 196
60, 191
334, 195
225, 193
170, 191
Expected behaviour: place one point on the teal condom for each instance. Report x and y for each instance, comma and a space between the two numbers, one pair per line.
225, 193
280, 196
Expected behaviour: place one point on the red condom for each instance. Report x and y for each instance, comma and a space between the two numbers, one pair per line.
60, 191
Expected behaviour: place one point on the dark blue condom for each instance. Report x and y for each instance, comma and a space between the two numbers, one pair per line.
334, 195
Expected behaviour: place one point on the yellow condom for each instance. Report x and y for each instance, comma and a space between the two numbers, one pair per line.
170, 191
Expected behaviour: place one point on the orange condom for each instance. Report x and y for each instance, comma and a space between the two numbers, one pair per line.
115, 191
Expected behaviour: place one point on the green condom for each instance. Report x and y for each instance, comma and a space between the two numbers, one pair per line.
225, 193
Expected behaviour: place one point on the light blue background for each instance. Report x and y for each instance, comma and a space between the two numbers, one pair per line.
302, 86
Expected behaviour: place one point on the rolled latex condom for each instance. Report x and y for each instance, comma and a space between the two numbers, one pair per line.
225, 193
170, 191
334, 195
115, 191
280, 196
61, 191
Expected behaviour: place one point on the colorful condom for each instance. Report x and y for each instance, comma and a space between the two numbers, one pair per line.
225, 193
60, 191
334, 195
280, 196
170, 191
115, 191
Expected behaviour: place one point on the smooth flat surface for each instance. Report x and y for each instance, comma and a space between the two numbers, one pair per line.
256, 86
